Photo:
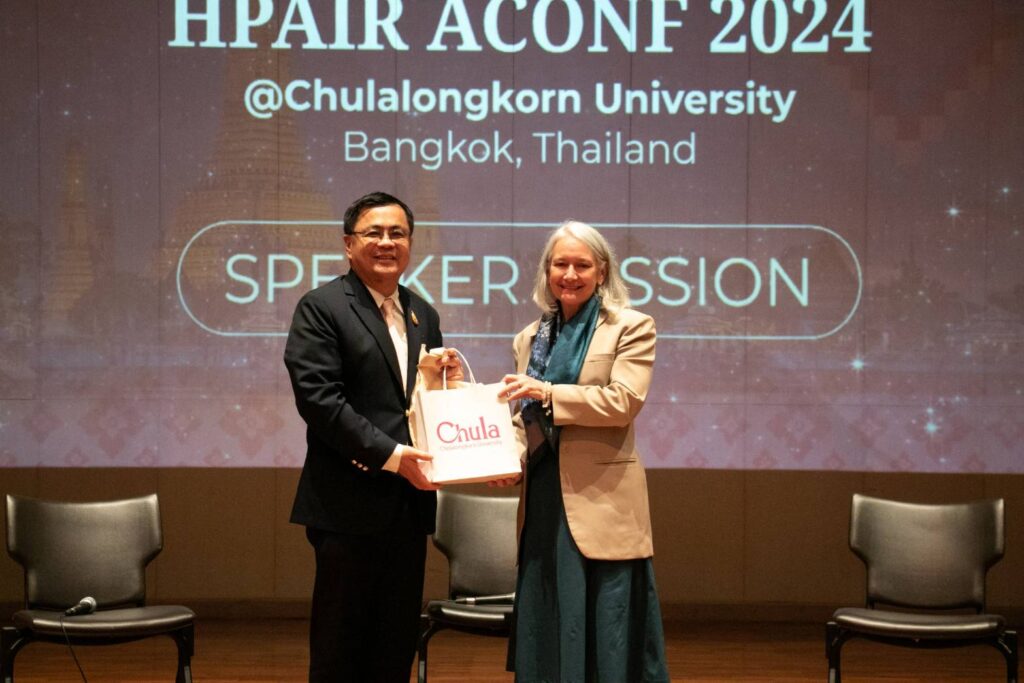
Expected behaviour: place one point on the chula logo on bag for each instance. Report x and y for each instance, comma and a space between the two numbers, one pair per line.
452, 432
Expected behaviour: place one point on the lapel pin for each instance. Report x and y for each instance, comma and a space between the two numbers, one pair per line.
412, 316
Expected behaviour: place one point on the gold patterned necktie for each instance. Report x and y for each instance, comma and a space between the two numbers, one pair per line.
387, 308
390, 312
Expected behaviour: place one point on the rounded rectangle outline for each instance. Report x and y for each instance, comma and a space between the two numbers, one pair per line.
514, 225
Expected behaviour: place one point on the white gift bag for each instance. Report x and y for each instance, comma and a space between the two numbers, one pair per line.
467, 427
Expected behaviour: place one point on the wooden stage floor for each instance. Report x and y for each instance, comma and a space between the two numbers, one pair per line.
234, 651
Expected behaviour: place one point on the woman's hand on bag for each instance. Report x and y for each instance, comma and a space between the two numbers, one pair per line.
451, 365
409, 467
523, 386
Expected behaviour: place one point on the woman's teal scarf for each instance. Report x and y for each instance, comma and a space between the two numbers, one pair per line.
557, 356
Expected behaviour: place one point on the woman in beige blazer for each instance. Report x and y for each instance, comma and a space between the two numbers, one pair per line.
586, 602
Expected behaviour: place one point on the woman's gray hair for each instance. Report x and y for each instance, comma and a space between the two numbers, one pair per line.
613, 292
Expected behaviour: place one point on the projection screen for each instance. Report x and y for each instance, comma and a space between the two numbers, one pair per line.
819, 202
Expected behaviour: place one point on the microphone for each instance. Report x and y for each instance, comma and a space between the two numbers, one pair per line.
486, 599
86, 605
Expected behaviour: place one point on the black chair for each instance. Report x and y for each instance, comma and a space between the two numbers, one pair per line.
477, 533
930, 562
100, 550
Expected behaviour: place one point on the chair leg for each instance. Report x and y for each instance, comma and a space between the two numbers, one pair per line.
834, 639
185, 640
11, 641
429, 628
1007, 644
6, 655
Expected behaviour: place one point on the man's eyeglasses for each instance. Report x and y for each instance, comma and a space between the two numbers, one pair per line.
376, 235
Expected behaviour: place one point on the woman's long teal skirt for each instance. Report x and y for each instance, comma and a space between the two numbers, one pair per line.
578, 620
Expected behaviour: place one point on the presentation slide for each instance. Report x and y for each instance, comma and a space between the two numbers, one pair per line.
820, 202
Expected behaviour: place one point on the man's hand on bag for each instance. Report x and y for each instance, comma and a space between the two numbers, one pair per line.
508, 481
451, 365
409, 468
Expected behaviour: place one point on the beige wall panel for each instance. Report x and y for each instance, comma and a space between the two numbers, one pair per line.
218, 534
697, 518
96, 483
796, 541
925, 488
294, 566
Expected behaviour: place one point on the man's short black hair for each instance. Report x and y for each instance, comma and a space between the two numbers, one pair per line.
372, 201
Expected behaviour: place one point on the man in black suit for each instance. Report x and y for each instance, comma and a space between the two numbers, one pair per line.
366, 504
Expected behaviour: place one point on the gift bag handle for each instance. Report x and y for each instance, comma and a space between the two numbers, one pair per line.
465, 364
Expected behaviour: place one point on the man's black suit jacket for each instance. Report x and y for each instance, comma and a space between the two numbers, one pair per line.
348, 389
